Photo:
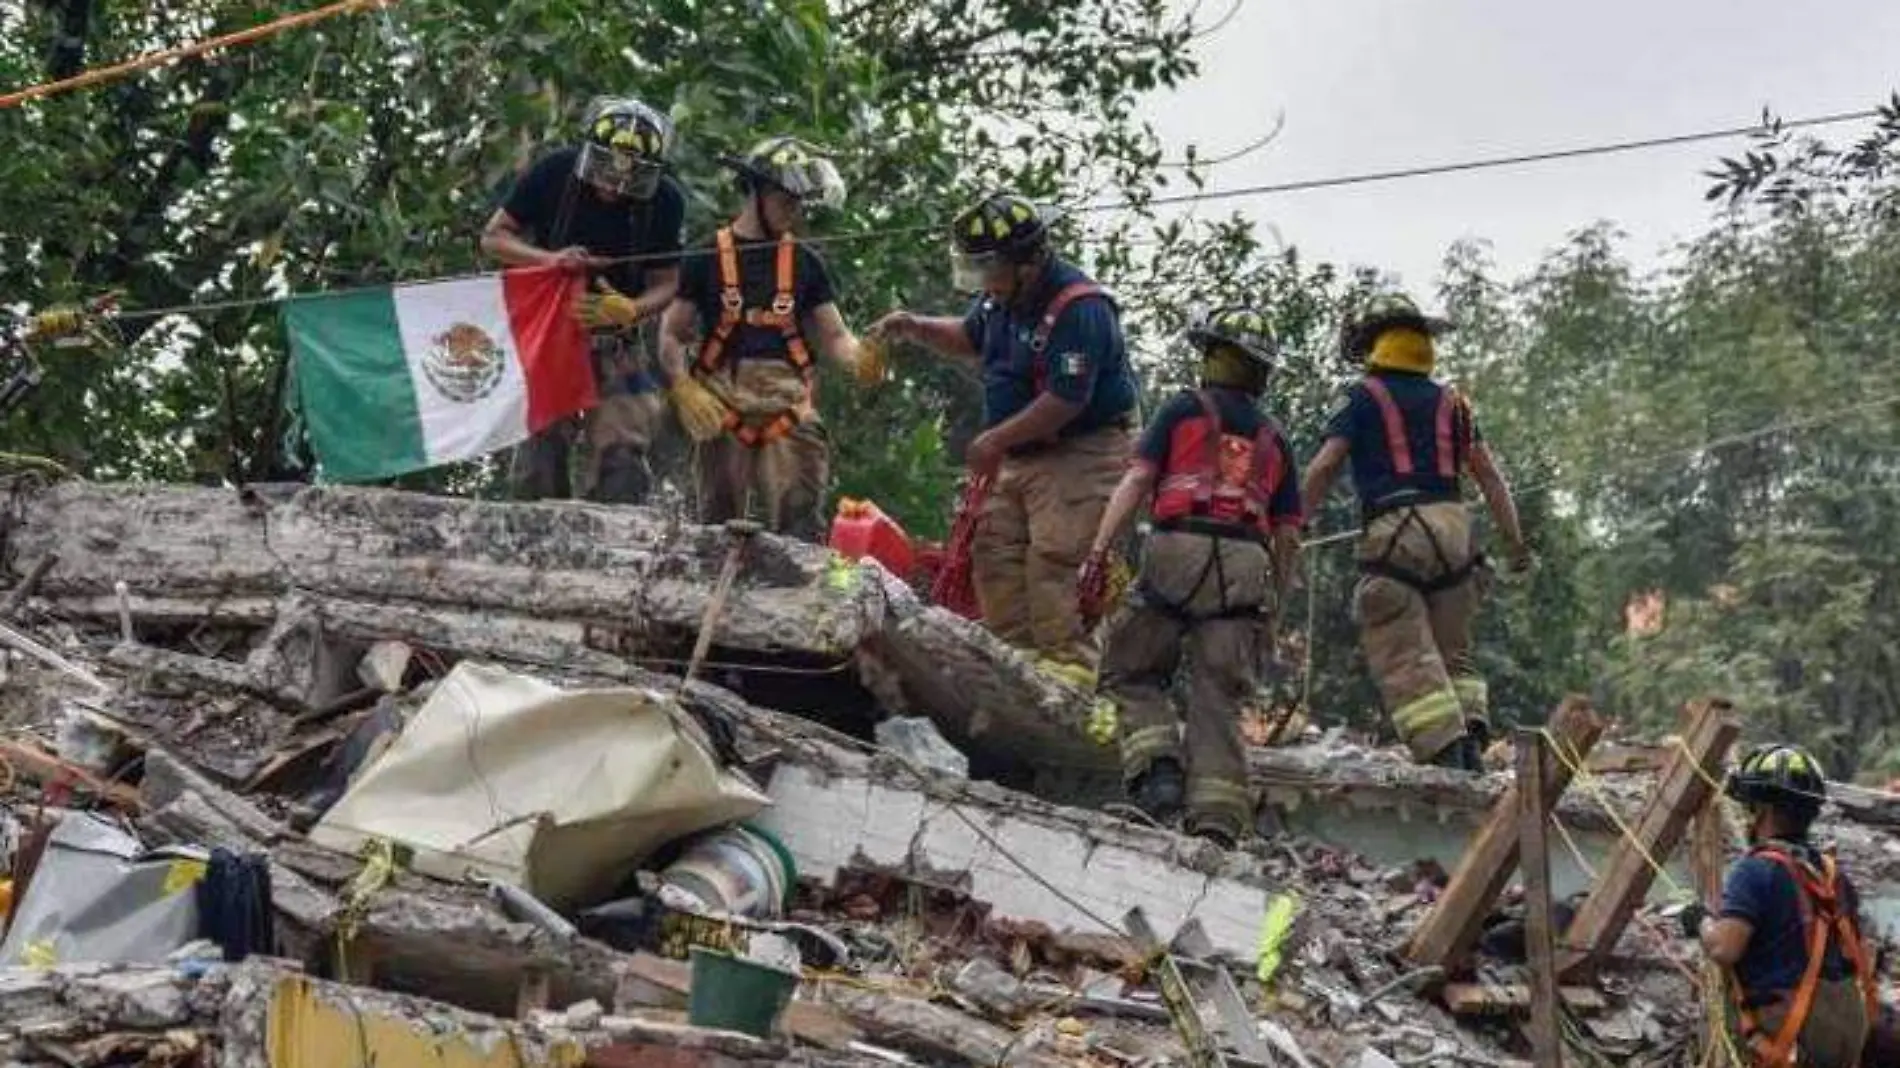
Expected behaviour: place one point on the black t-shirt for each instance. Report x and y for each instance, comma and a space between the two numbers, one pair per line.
558, 210
700, 286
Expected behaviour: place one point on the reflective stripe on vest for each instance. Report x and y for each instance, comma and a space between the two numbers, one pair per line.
1821, 915
1451, 439
781, 316
1046, 326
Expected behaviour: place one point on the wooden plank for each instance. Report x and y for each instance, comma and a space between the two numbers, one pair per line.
1708, 840
1505, 999
1681, 792
31, 762
1534, 858
1446, 935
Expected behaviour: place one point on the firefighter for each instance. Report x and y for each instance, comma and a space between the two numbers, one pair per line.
1059, 411
758, 303
1788, 930
608, 208
1411, 441
1226, 518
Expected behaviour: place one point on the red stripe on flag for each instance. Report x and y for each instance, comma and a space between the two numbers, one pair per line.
552, 344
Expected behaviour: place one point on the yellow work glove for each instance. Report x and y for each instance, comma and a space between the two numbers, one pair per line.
872, 360
702, 415
607, 308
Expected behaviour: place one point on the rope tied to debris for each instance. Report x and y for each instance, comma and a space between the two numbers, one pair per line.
1585, 778
1569, 758
379, 870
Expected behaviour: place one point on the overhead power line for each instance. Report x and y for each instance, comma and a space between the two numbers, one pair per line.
1485, 163
1203, 196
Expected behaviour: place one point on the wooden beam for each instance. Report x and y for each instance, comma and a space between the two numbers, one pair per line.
1680, 793
1506, 999
1708, 841
1445, 937
1534, 857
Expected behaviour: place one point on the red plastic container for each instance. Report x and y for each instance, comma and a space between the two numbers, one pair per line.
861, 529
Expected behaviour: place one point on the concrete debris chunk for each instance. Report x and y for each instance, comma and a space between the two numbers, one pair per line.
385, 665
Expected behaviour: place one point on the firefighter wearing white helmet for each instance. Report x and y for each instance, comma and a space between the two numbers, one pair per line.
737, 345
607, 208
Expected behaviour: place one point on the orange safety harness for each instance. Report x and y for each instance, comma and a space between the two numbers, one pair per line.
1821, 916
781, 316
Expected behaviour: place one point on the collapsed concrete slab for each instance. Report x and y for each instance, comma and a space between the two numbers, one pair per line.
551, 578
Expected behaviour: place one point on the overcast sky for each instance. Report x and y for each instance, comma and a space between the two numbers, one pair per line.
1376, 84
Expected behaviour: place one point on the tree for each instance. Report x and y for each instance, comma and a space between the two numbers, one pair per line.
370, 148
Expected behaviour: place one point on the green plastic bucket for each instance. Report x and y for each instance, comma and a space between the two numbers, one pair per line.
734, 994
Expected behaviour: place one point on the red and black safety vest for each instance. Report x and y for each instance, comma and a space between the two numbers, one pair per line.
1224, 479
1823, 915
782, 316
1425, 447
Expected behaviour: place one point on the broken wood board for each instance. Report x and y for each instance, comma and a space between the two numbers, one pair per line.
928, 1029
1622, 883
1448, 932
1501, 999
35, 764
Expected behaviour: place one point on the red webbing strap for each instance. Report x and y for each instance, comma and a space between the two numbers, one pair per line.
1396, 442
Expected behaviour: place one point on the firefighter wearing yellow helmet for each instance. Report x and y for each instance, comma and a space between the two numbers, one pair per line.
605, 207
1411, 441
737, 345
1788, 929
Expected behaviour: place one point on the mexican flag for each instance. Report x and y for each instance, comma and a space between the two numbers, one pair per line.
401, 378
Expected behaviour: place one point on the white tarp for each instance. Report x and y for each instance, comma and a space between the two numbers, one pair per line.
99, 896
560, 792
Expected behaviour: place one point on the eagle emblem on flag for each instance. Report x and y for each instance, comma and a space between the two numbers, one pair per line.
463, 363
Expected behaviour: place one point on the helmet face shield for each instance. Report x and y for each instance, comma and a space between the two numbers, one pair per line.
618, 171
625, 148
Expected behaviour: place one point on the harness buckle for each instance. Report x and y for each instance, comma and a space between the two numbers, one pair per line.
732, 300
782, 305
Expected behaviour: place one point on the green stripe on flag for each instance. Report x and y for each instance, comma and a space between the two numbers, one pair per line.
353, 383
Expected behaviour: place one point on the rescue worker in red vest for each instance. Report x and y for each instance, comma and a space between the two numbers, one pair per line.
1788, 929
1059, 410
1411, 441
1226, 511
759, 303
606, 207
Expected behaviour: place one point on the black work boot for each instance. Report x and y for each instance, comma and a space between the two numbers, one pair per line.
1461, 755
1214, 830
1161, 790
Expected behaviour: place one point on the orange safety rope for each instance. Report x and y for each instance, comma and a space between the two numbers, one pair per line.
85, 79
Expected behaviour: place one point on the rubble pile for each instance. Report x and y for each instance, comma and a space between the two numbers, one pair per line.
444, 747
